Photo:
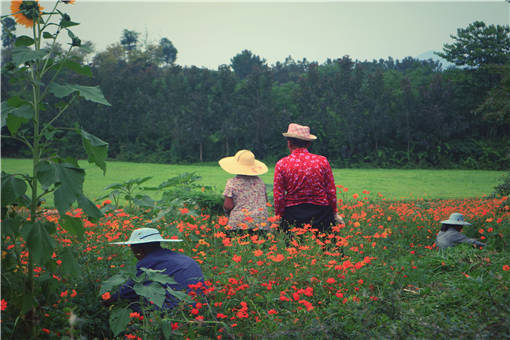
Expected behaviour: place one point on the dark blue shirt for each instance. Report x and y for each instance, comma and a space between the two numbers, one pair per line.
183, 269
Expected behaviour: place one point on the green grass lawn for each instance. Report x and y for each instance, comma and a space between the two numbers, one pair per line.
396, 184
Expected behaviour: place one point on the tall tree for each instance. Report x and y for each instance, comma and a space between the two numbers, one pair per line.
245, 63
129, 39
479, 44
168, 51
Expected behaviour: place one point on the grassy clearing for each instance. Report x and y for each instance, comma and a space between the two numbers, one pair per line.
396, 184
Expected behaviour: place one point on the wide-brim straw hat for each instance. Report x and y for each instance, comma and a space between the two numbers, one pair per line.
243, 163
146, 235
300, 132
456, 219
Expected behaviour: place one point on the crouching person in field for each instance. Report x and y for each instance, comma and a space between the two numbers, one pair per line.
145, 244
451, 233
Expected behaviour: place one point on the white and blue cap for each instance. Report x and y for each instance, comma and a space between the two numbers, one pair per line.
146, 235
456, 219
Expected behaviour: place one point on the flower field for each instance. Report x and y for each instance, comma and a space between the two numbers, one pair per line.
378, 276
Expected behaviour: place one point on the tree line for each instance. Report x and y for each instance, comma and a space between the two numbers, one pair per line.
380, 113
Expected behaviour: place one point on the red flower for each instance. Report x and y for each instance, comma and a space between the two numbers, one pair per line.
236, 258
106, 296
505, 268
4, 304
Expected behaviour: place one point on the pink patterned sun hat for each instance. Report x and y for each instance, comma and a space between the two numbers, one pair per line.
300, 132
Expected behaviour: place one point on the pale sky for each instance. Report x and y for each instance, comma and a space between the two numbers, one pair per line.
210, 33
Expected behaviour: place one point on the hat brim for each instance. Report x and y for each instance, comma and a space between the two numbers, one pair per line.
230, 165
455, 222
144, 241
309, 138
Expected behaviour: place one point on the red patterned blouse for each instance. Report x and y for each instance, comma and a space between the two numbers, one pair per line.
303, 177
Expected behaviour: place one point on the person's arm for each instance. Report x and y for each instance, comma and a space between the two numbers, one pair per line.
279, 190
474, 242
228, 204
330, 187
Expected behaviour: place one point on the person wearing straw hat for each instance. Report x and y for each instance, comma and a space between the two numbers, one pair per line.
145, 243
451, 233
304, 187
245, 194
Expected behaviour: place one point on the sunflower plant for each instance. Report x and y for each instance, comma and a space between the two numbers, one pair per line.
37, 64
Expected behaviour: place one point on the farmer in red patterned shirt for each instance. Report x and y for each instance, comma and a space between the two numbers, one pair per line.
304, 187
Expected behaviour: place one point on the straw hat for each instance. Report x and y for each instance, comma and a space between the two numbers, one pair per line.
243, 163
146, 235
300, 132
456, 219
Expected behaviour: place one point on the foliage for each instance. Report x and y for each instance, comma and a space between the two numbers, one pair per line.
479, 44
392, 282
380, 113
175, 192
29, 116
503, 189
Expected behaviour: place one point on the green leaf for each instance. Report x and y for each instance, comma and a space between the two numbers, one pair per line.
70, 264
166, 327
89, 208
70, 186
68, 23
46, 174
47, 35
119, 319
144, 201
13, 188
22, 54
154, 292
15, 117
24, 41
111, 283
73, 225
16, 101
97, 149
91, 93
39, 242
11, 226
76, 67
180, 295
28, 302
60, 91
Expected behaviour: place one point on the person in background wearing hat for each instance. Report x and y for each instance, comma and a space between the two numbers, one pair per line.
145, 244
304, 187
451, 233
245, 194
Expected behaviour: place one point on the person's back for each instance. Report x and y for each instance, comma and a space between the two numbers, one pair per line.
249, 196
183, 269
305, 178
451, 235
245, 194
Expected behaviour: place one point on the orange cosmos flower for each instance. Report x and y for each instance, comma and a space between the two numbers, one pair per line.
26, 11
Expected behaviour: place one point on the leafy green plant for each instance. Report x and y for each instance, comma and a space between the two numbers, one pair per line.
503, 189
29, 117
151, 285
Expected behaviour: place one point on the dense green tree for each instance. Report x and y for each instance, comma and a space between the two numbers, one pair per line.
245, 63
168, 51
479, 44
129, 39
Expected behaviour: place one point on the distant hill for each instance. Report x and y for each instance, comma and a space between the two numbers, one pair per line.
430, 55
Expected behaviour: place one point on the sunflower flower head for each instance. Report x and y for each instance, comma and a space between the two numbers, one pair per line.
25, 12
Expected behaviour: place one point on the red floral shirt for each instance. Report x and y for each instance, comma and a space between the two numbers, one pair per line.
303, 177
